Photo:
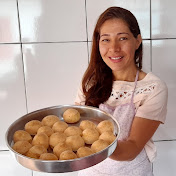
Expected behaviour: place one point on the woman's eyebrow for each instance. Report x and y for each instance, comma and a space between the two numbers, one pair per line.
104, 35
120, 33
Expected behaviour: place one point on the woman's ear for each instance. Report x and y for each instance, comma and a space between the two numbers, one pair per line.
139, 40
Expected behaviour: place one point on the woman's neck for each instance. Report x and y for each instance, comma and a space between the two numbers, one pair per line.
127, 75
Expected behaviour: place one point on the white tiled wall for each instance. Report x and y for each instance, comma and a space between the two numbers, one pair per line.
44, 50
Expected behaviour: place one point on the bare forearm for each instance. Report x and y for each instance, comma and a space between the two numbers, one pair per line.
125, 151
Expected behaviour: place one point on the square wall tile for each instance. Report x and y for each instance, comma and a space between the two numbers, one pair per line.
164, 66
146, 63
55, 21
142, 14
163, 19
53, 72
10, 167
166, 159
12, 90
9, 26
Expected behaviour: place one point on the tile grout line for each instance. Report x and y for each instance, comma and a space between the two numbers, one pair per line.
87, 30
77, 41
22, 56
165, 140
151, 66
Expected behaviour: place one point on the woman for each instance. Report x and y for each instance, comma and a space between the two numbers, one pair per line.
115, 83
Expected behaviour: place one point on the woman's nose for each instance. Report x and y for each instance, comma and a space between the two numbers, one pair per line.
114, 46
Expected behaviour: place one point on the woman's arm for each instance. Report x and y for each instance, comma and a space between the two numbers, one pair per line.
141, 131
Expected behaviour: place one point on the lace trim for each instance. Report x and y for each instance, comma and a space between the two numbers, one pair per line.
126, 94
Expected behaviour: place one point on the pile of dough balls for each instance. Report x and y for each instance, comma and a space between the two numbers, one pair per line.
53, 139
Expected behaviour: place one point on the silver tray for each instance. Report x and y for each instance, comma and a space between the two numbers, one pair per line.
60, 166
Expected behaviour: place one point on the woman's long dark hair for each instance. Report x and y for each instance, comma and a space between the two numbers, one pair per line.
98, 79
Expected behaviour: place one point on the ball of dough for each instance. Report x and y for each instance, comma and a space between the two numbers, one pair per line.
87, 124
99, 145
48, 156
90, 135
22, 146
105, 125
50, 120
45, 129
67, 155
108, 136
41, 139
32, 126
84, 151
75, 142
71, 116
56, 138
35, 151
60, 126
22, 135
61, 147
73, 130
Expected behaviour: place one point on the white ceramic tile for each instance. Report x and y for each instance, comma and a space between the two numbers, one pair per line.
9, 26
163, 19
53, 72
146, 55
166, 159
55, 174
62, 20
146, 63
10, 167
12, 91
142, 14
164, 66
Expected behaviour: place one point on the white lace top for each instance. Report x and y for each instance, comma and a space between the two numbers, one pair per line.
150, 99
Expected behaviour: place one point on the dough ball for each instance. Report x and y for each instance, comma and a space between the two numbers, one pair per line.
90, 135
60, 126
48, 156
50, 120
108, 136
105, 125
35, 151
99, 145
75, 142
56, 138
41, 139
67, 155
87, 124
71, 116
45, 129
22, 135
32, 126
22, 146
84, 151
73, 130
61, 147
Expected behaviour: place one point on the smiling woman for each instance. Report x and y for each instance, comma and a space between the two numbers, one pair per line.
114, 82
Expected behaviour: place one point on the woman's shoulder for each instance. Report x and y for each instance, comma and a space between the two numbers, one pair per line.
145, 79
152, 79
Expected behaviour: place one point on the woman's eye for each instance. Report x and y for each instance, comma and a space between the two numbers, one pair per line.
123, 38
105, 40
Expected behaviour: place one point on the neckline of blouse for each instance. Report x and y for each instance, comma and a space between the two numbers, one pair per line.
140, 81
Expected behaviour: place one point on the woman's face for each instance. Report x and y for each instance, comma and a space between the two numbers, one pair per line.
117, 45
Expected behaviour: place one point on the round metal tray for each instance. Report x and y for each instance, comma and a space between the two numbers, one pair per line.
61, 166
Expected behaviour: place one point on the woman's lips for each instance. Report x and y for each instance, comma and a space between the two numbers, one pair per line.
116, 59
